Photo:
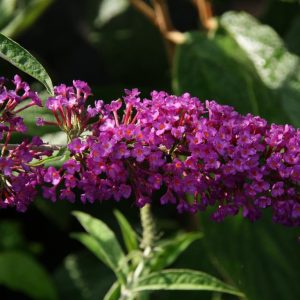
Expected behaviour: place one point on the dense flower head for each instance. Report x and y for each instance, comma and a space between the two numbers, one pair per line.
194, 154
181, 146
13, 101
68, 108
18, 178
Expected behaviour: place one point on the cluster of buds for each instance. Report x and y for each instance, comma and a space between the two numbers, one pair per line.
191, 153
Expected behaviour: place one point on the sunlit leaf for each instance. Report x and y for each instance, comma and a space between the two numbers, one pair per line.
276, 66
23, 60
107, 241
181, 279
263, 47
216, 68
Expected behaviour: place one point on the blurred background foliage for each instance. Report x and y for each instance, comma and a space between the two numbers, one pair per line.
251, 60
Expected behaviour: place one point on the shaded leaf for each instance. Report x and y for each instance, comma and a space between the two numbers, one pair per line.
261, 258
183, 279
92, 244
22, 273
23, 60
107, 241
129, 235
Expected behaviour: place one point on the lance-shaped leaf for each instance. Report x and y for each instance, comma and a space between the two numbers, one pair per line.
114, 292
107, 242
92, 244
23, 60
184, 279
129, 235
169, 250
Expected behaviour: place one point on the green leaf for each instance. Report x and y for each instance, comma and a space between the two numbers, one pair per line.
129, 235
169, 250
216, 68
92, 244
106, 240
263, 47
20, 272
114, 292
184, 279
277, 68
261, 258
23, 60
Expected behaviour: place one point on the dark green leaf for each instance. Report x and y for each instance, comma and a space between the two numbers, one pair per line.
23, 60
278, 68
129, 235
22, 273
181, 279
169, 250
107, 242
262, 258
218, 69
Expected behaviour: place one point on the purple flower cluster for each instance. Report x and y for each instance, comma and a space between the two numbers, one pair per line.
68, 108
180, 147
18, 179
193, 154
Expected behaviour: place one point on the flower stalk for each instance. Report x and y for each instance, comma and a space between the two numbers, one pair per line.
148, 226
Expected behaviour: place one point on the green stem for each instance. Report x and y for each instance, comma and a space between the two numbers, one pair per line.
147, 245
